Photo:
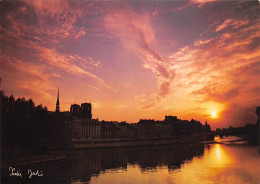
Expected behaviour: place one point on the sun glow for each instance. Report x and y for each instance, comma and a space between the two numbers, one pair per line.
213, 114
213, 110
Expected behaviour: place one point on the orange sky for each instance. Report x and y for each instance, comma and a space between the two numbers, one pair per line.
132, 60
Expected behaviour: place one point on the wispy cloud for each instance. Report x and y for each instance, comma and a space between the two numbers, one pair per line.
29, 79
49, 22
137, 34
231, 23
32, 58
200, 3
221, 69
58, 18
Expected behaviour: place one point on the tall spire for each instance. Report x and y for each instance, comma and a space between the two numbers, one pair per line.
58, 102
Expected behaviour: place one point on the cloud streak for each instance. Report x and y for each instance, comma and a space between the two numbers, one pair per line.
136, 34
48, 23
31, 80
222, 69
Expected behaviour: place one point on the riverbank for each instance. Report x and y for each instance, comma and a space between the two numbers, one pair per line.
110, 143
31, 160
140, 142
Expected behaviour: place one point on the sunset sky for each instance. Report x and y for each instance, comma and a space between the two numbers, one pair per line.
135, 59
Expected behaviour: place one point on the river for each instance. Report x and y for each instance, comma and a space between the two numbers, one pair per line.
227, 161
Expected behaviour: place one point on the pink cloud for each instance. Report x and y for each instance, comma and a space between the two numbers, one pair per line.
231, 23
202, 42
201, 2
64, 15
68, 63
215, 91
26, 79
136, 33
47, 22
222, 70
35, 39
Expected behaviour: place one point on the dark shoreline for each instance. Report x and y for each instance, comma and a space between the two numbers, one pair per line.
142, 142
116, 143
34, 160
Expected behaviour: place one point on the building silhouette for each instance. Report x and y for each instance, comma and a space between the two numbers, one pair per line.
86, 110
58, 103
75, 109
83, 111
83, 127
258, 122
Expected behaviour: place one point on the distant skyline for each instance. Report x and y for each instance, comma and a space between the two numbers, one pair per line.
135, 60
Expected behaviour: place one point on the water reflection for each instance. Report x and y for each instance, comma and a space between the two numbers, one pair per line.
222, 163
197, 163
221, 157
82, 165
88, 163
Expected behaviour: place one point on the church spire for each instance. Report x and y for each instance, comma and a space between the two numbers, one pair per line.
58, 102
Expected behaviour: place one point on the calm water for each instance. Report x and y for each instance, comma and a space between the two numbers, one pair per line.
228, 162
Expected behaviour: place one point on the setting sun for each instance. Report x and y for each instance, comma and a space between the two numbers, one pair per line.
213, 114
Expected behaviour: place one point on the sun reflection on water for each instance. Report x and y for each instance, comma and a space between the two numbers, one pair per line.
221, 157
218, 151
219, 163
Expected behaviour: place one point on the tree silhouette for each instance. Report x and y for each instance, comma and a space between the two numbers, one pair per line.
27, 129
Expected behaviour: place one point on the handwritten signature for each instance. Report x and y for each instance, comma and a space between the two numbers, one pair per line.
14, 172
34, 173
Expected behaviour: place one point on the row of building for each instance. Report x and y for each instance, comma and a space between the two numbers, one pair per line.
83, 127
